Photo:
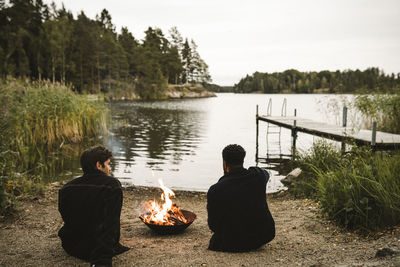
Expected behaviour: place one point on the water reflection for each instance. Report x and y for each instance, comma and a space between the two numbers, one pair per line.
161, 134
181, 141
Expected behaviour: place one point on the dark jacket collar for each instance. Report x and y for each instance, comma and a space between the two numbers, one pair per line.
94, 172
235, 170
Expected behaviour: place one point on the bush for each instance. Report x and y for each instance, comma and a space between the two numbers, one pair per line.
12, 187
322, 157
360, 189
384, 109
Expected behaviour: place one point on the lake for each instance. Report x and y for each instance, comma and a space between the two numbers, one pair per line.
180, 141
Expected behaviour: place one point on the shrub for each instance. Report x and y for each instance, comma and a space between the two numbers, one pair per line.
384, 109
360, 189
322, 157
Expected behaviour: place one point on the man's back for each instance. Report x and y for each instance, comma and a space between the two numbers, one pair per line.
90, 207
238, 213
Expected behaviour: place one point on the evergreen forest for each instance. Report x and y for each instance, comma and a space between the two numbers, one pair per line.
371, 80
46, 42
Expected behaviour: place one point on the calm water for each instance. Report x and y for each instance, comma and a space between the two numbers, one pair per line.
180, 141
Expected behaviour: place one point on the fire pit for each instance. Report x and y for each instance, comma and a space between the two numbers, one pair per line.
171, 229
167, 218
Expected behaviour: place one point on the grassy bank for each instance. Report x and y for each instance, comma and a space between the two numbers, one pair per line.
359, 190
37, 120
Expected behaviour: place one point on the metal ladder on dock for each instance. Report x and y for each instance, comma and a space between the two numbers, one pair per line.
274, 130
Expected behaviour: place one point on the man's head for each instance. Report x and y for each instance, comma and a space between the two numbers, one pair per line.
96, 158
233, 156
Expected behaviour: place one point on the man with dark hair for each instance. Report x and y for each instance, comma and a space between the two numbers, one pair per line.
237, 207
91, 208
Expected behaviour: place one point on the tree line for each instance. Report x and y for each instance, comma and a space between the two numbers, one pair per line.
40, 41
294, 81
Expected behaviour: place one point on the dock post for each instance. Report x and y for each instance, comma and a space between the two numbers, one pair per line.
344, 124
256, 134
294, 136
373, 140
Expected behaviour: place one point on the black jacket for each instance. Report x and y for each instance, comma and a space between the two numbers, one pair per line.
91, 207
238, 212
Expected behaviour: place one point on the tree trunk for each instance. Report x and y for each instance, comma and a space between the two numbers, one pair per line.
53, 68
63, 69
38, 68
98, 73
81, 71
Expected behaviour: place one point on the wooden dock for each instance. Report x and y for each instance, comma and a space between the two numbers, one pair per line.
383, 141
346, 135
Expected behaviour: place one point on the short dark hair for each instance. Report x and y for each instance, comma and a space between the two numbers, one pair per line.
91, 156
233, 155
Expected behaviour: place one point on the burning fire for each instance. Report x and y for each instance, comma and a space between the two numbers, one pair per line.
166, 214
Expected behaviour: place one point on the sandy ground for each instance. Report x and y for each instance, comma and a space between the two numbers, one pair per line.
303, 238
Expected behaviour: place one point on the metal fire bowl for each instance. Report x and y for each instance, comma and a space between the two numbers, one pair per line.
172, 229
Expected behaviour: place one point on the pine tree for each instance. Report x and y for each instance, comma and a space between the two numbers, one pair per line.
187, 59
129, 44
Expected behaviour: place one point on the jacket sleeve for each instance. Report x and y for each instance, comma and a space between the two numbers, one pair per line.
261, 171
212, 210
112, 214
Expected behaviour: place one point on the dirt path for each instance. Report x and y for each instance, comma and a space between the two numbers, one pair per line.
303, 238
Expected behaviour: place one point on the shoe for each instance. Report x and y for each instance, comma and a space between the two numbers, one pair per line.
119, 249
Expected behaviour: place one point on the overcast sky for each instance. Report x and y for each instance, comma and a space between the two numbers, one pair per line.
239, 37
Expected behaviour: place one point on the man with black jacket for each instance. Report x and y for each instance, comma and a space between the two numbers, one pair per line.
237, 208
91, 207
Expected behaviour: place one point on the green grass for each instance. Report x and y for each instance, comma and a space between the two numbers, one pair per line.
37, 120
359, 190
382, 108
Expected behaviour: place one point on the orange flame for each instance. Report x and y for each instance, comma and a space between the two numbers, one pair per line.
166, 214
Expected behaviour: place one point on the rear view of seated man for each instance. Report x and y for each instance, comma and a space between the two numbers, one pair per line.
91, 207
237, 208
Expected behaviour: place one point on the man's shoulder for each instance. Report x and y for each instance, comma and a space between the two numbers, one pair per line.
218, 186
258, 171
94, 179
214, 187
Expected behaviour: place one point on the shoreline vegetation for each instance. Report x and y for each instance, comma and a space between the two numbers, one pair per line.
39, 122
173, 91
358, 189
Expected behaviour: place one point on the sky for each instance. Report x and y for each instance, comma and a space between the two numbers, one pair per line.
240, 37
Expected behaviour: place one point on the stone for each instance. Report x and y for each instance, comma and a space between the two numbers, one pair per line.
291, 177
383, 252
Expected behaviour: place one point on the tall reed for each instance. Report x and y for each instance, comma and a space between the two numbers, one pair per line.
360, 189
382, 108
36, 120
43, 116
